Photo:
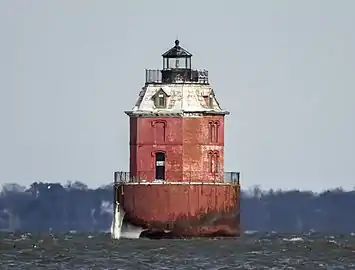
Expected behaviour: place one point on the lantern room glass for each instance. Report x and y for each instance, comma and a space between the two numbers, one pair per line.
176, 63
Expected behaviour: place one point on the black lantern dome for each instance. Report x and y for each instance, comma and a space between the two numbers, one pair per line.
177, 68
176, 64
177, 58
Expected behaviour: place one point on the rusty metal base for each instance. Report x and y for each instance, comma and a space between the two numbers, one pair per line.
206, 227
158, 234
174, 210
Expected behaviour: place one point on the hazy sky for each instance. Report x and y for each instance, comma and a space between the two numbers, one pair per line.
285, 70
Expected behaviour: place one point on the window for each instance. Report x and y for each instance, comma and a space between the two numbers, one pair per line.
216, 162
159, 127
160, 99
213, 128
213, 160
216, 128
210, 131
210, 101
210, 160
160, 165
209, 98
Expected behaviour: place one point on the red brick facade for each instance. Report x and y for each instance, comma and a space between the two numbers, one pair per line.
193, 148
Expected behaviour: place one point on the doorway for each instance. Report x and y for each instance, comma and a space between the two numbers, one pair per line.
160, 166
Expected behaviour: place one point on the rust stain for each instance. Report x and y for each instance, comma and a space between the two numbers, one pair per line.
184, 210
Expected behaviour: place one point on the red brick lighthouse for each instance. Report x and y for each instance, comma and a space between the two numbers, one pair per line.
176, 185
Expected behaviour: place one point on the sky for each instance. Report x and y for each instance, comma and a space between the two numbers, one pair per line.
284, 69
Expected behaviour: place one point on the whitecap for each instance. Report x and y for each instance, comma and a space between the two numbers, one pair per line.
293, 239
247, 232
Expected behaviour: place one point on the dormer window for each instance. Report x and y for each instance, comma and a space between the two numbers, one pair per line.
160, 99
210, 101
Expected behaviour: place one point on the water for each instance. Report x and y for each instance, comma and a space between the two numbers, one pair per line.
118, 215
120, 229
100, 251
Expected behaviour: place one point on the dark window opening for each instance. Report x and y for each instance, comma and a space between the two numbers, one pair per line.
160, 166
160, 101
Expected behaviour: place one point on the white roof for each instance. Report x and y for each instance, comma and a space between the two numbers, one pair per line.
180, 98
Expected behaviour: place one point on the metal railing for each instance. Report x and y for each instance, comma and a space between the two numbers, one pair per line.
178, 176
187, 76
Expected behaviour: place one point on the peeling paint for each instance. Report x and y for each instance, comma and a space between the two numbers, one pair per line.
186, 143
184, 210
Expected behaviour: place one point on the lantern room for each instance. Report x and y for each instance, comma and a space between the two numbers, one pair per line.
177, 58
176, 69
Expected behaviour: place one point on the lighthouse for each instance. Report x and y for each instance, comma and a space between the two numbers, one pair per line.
176, 185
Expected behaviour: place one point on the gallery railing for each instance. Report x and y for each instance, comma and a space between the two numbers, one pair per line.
177, 176
176, 76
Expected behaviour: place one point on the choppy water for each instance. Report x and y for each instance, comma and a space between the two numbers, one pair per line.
254, 251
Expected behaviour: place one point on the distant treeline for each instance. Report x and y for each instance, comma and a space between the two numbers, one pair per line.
54, 207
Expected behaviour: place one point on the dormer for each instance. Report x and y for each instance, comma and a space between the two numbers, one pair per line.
160, 99
209, 98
